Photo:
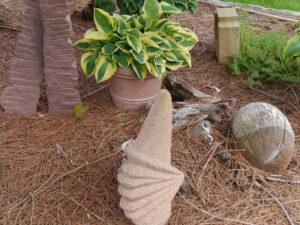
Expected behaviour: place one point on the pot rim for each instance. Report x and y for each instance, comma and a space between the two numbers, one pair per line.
125, 73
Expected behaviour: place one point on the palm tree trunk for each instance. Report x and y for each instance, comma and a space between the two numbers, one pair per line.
44, 41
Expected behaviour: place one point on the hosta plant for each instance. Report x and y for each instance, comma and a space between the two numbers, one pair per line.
142, 43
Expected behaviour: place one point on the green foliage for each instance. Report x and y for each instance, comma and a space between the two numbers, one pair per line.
259, 56
292, 50
141, 42
122, 119
80, 110
130, 7
106, 5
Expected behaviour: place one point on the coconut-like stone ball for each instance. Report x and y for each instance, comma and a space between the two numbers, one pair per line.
265, 136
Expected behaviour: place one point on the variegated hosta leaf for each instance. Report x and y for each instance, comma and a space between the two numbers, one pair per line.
193, 5
89, 61
134, 23
159, 40
183, 56
109, 49
152, 51
140, 70
170, 56
158, 25
148, 41
170, 9
173, 65
122, 25
133, 32
88, 44
182, 2
187, 44
94, 34
155, 70
152, 9
123, 59
142, 20
175, 31
135, 43
141, 57
105, 69
103, 21
124, 46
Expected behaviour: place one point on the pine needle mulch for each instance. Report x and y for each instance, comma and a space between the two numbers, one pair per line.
57, 169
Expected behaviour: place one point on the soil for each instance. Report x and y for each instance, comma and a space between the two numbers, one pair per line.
41, 186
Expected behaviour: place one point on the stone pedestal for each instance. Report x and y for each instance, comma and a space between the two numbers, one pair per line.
227, 33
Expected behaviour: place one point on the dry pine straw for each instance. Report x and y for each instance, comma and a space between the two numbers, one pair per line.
40, 186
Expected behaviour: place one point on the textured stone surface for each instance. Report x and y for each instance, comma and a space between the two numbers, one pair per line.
227, 33
43, 46
148, 182
265, 135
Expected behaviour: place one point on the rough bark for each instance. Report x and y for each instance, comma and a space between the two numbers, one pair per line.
44, 45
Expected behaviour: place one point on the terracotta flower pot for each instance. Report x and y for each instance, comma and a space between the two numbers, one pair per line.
128, 92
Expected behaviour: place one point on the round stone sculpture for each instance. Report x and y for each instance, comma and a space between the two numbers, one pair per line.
265, 135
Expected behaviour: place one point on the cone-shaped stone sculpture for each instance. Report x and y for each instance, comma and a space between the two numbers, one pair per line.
148, 182
43, 45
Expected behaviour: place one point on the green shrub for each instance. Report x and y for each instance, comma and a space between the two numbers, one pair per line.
259, 56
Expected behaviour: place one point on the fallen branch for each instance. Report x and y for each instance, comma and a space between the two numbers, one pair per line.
86, 209
213, 216
211, 155
279, 99
278, 203
113, 130
283, 180
94, 92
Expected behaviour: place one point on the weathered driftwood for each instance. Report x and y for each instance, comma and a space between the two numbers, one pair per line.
148, 182
215, 111
203, 128
181, 90
265, 135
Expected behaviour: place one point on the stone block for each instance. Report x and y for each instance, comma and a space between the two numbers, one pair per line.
227, 33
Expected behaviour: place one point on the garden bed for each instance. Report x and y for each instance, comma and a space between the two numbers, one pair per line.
39, 185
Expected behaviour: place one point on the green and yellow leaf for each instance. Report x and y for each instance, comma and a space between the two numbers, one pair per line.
141, 57
123, 59
89, 61
170, 9
105, 68
93, 34
124, 46
140, 70
152, 9
88, 44
103, 21
109, 49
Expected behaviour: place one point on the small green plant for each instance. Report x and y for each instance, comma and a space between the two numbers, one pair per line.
259, 56
79, 110
122, 119
292, 50
142, 43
